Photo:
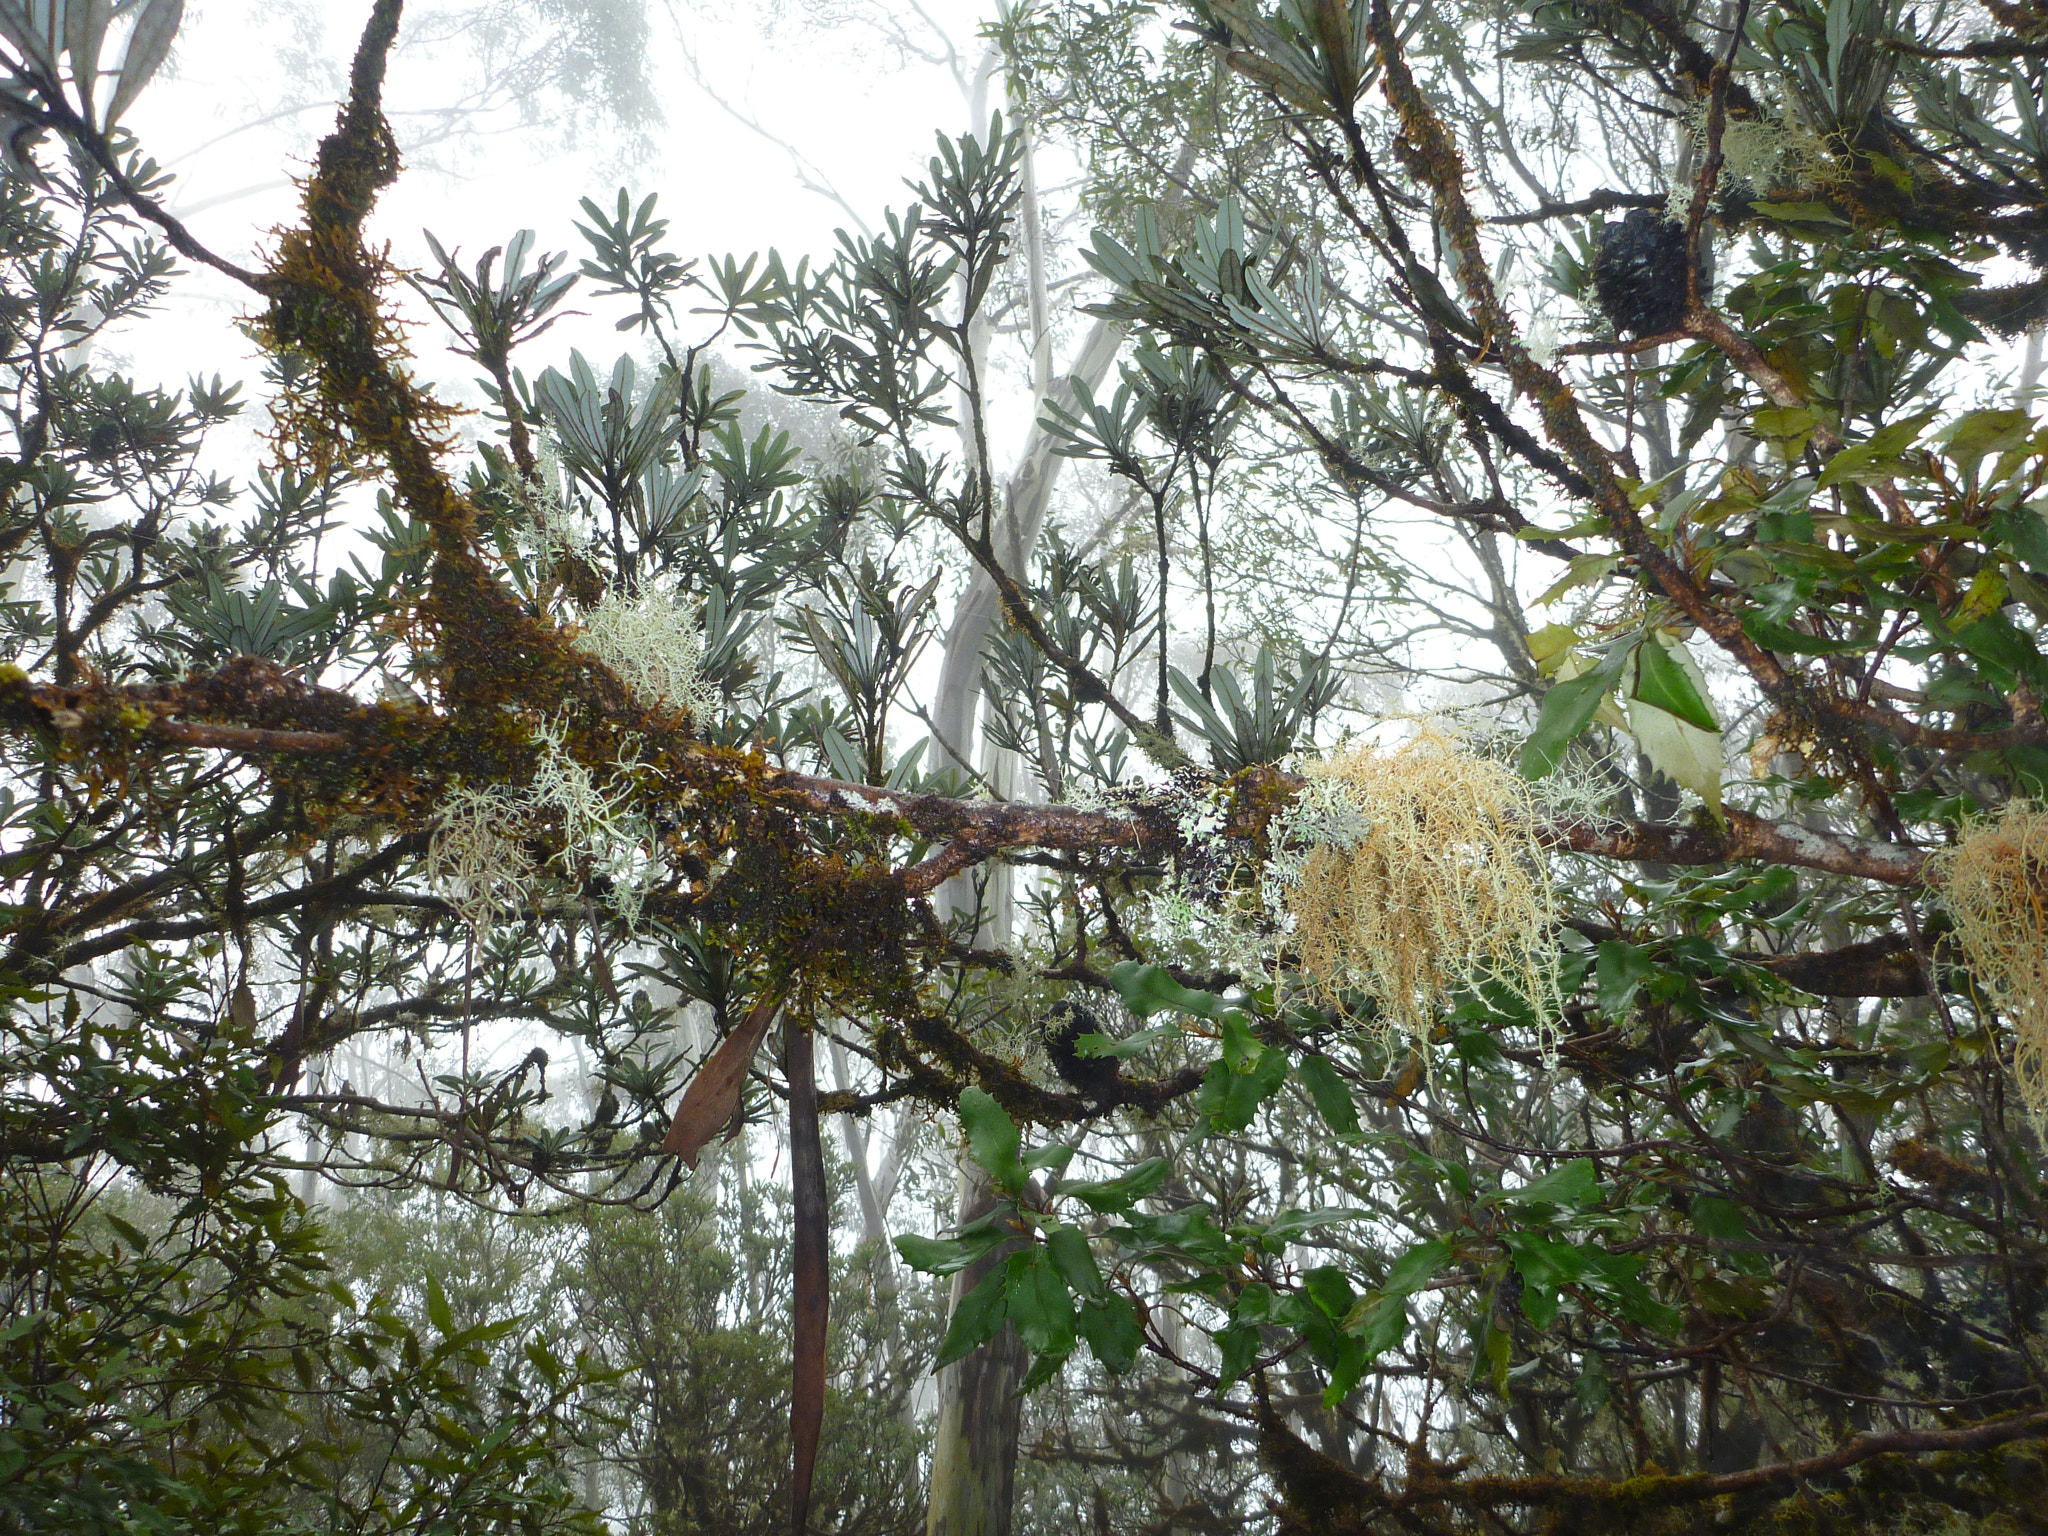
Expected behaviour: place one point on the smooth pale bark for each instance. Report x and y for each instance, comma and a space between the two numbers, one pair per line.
974, 1451
974, 1455
1027, 497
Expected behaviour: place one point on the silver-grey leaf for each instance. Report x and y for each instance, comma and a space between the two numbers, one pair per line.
148, 46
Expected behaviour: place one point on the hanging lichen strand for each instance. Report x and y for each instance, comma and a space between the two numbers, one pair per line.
1415, 873
1996, 880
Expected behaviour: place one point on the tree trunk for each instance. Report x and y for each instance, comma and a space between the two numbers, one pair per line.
974, 1456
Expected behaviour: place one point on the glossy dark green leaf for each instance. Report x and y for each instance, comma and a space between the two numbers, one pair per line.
1239, 1347
1662, 683
1618, 973
1150, 989
1331, 1094
1071, 1256
1114, 1197
1113, 1332
1039, 1303
976, 1319
992, 1139
945, 1256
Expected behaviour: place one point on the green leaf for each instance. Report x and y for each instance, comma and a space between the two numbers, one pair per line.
1043, 1369
1150, 989
1774, 636
1416, 1268
1126, 1047
1115, 1197
1072, 1258
1056, 1157
1876, 458
1382, 1323
945, 1256
1539, 1302
1722, 1220
1787, 428
1232, 1098
1289, 1225
1682, 752
1574, 1184
1620, 969
992, 1139
1583, 570
439, 1313
1239, 1346
1568, 708
1114, 1334
1662, 681
1552, 640
1040, 1304
1800, 213
976, 1319
2025, 528
1331, 1094
1977, 433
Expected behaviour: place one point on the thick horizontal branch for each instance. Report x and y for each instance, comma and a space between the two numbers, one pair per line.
1745, 838
967, 830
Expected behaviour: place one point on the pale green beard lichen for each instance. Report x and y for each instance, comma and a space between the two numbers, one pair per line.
652, 645
478, 856
1759, 157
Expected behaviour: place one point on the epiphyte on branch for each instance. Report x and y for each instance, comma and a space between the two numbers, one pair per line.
1639, 273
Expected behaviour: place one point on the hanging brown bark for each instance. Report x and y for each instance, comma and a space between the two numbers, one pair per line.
811, 1303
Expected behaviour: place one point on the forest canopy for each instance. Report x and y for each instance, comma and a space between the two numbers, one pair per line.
1316, 802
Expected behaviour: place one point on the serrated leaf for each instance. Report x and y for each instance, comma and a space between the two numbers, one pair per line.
1071, 1256
1114, 1197
1568, 708
1239, 1347
1149, 989
1582, 571
1040, 1304
1620, 969
992, 1139
1416, 1267
975, 1320
1113, 1332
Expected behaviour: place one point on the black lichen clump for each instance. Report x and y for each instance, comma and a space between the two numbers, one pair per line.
1639, 273
1096, 1076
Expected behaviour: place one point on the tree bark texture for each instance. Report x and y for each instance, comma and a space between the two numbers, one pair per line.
974, 1455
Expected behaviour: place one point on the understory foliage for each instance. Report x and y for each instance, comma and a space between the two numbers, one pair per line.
1480, 947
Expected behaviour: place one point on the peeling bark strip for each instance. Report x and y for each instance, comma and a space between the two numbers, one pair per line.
713, 1097
811, 1303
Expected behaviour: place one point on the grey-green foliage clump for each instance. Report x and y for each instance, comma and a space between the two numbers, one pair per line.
1692, 1190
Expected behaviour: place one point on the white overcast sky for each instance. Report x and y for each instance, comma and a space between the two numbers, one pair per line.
859, 112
